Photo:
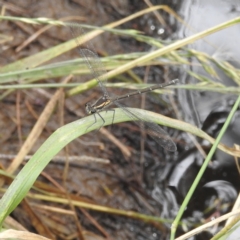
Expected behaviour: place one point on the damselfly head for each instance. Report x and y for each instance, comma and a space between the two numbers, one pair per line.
89, 109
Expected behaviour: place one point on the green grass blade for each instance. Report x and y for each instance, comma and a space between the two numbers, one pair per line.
64, 135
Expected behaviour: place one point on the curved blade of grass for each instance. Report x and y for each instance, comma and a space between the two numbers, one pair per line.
64, 135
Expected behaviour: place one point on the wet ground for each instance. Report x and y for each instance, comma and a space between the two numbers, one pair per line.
150, 181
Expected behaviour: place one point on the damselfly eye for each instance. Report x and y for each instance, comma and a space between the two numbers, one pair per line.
89, 109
